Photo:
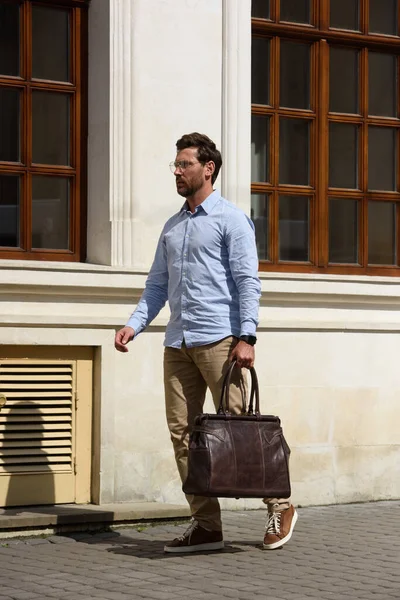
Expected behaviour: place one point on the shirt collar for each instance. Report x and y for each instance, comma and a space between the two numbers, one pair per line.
207, 205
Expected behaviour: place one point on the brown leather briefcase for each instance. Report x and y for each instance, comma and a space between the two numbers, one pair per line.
238, 456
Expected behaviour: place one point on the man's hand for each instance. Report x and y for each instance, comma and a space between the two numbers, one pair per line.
244, 355
122, 337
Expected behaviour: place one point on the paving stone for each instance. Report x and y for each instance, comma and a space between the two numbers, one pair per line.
330, 557
20, 595
60, 539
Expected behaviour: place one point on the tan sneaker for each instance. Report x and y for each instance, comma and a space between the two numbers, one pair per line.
196, 539
279, 528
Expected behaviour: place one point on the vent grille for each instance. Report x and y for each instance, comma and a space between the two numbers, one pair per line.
37, 421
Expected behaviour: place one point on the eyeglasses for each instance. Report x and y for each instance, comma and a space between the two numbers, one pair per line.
182, 165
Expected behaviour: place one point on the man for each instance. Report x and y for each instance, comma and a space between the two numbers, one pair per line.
206, 267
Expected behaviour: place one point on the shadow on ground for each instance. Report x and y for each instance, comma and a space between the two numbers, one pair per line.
141, 545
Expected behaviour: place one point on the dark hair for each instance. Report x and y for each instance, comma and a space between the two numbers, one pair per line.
206, 149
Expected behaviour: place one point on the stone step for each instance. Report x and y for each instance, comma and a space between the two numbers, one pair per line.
72, 517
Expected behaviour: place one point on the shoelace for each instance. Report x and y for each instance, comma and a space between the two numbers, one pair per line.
274, 523
193, 525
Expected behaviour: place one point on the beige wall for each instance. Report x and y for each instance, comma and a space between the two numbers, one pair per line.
326, 360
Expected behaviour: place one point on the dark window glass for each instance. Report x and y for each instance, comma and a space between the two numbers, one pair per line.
343, 155
294, 228
50, 128
260, 9
260, 70
343, 231
9, 39
344, 14
9, 210
295, 75
10, 111
50, 212
381, 158
259, 148
295, 11
383, 16
294, 151
381, 233
382, 84
50, 43
343, 80
259, 216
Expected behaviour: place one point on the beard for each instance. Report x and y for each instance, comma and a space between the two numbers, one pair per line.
184, 190
188, 189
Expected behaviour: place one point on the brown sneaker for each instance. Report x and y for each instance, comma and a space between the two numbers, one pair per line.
195, 539
279, 528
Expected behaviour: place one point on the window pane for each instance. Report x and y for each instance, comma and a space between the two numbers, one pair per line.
343, 231
343, 82
9, 210
343, 155
10, 124
9, 39
381, 158
381, 233
260, 70
50, 212
382, 84
345, 14
383, 16
50, 128
295, 11
295, 75
260, 9
259, 216
50, 43
294, 228
294, 154
259, 148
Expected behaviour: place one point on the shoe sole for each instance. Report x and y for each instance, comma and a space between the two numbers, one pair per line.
285, 539
197, 548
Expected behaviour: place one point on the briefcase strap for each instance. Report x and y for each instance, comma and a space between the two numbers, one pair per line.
225, 392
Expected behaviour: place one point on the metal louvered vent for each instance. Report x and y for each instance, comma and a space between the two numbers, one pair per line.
36, 423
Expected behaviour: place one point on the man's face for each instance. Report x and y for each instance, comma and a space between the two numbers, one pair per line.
191, 178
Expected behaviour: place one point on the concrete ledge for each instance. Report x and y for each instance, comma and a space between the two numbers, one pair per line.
62, 515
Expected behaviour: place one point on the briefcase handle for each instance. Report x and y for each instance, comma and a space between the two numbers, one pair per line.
225, 392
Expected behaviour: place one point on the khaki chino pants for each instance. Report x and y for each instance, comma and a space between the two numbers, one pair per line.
187, 374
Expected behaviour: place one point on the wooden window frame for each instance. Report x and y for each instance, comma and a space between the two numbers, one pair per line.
77, 171
320, 36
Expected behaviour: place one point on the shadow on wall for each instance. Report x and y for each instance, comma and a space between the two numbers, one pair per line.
26, 474
27, 478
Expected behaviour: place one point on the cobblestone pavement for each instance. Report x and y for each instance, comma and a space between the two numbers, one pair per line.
337, 552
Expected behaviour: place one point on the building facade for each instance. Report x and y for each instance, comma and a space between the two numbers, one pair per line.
302, 97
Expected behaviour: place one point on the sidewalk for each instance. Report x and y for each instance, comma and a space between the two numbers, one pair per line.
349, 552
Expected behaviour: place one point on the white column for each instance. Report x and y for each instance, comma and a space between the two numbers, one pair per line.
150, 82
110, 144
236, 102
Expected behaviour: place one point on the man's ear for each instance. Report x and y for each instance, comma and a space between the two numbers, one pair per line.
210, 168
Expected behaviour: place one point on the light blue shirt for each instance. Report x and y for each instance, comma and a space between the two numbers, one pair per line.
206, 266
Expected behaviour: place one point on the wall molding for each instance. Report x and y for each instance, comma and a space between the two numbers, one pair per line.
236, 102
121, 130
